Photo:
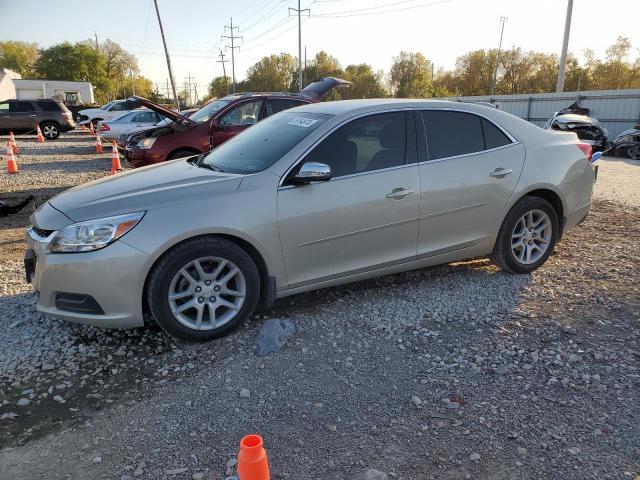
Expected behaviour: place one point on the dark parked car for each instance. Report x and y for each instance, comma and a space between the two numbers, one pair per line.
214, 123
587, 128
627, 143
21, 116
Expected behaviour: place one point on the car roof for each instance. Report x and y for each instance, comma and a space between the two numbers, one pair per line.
345, 106
241, 96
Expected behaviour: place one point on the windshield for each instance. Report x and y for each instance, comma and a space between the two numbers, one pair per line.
107, 105
208, 111
261, 146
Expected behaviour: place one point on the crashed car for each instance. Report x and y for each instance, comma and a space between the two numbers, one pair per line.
214, 123
627, 143
587, 128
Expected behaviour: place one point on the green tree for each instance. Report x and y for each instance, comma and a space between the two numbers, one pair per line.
21, 57
219, 87
410, 75
365, 83
272, 73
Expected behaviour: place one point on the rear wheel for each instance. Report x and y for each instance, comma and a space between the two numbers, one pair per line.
527, 236
203, 288
50, 130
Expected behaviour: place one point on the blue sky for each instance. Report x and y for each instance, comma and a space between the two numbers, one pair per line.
355, 31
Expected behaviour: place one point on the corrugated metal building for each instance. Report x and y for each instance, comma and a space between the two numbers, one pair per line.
617, 110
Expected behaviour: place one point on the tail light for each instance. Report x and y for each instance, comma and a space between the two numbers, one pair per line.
104, 127
586, 149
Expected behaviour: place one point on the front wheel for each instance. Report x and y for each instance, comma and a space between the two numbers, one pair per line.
634, 152
181, 154
203, 288
527, 236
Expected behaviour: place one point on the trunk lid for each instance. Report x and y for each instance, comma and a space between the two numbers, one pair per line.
318, 88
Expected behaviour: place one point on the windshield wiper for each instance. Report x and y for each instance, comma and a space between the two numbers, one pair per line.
198, 162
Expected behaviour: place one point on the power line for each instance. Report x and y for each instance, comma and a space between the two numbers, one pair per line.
274, 37
365, 11
264, 7
233, 37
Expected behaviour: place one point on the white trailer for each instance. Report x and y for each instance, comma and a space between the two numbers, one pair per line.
70, 92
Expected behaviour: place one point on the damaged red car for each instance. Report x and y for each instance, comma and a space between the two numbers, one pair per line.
213, 124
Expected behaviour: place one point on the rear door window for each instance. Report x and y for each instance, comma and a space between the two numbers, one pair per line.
452, 133
20, 107
144, 117
275, 105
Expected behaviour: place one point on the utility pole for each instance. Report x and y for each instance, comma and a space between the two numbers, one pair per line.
188, 87
224, 70
233, 37
565, 47
299, 11
96, 35
495, 70
195, 93
304, 77
133, 85
166, 52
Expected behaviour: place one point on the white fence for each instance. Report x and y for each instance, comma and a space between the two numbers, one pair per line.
616, 110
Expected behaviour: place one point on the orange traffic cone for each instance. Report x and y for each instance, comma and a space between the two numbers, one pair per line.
98, 143
14, 145
40, 136
252, 459
115, 159
91, 131
12, 166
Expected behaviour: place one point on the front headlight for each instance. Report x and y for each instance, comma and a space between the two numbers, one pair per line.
93, 234
146, 142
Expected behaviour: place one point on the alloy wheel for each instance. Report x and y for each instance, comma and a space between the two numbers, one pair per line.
531, 237
50, 131
634, 152
207, 293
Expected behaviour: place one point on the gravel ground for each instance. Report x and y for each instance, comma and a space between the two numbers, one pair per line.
458, 371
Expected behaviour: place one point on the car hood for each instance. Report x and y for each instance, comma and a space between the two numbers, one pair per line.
144, 188
318, 88
172, 114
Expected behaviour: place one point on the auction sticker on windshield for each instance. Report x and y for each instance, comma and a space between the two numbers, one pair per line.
302, 122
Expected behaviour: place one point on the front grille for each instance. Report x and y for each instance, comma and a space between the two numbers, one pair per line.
41, 232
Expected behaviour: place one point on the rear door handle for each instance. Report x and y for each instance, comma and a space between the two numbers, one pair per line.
500, 172
398, 193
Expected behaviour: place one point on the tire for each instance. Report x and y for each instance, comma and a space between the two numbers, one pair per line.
633, 152
188, 315
50, 130
515, 239
181, 154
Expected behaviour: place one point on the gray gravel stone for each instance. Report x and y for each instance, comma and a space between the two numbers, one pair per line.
273, 336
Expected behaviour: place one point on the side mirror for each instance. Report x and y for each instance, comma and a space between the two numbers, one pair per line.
595, 157
313, 172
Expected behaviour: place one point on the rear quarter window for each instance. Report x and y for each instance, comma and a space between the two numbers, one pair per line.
49, 106
493, 136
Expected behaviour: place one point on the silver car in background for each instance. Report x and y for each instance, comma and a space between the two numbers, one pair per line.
128, 122
311, 197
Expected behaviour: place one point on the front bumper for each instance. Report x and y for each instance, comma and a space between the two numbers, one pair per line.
111, 277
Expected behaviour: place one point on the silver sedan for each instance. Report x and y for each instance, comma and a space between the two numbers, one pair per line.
128, 122
315, 196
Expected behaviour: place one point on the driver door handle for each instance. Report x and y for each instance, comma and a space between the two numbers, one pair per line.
500, 172
398, 193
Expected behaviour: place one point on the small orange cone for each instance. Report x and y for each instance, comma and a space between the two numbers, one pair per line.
14, 145
40, 136
252, 459
12, 166
115, 159
91, 131
98, 143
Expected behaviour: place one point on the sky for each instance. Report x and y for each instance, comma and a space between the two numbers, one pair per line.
354, 31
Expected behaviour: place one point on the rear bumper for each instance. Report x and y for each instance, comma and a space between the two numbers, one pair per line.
101, 288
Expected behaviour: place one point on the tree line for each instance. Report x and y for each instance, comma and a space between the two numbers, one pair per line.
414, 75
112, 70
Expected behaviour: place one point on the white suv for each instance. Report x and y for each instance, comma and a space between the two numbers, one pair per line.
106, 112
